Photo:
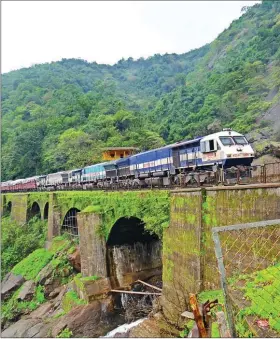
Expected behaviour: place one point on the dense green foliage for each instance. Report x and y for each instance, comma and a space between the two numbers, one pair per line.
30, 266
13, 307
58, 116
262, 290
17, 242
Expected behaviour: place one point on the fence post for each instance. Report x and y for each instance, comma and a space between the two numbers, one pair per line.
221, 267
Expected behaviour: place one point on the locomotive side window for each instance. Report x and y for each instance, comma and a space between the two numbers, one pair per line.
208, 146
211, 145
240, 140
226, 141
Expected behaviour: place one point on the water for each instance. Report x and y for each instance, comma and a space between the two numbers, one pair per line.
123, 328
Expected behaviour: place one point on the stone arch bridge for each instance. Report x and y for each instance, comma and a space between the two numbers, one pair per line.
170, 231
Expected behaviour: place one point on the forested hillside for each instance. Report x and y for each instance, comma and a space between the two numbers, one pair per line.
57, 116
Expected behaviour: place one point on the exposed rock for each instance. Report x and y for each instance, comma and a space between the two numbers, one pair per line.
44, 274
146, 329
122, 334
42, 311
254, 137
85, 321
58, 299
75, 260
55, 292
51, 285
27, 290
10, 283
27, 328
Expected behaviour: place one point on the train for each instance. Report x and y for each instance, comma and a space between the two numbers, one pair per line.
222, 157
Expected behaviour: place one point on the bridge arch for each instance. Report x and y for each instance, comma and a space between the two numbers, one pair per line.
46, 211
129, 230
70, 224
131, 252
33, 210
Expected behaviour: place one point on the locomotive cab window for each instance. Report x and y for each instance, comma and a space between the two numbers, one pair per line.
211, 145
226, 141
240, 140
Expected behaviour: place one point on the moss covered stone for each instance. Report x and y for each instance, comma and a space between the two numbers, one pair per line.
71, 300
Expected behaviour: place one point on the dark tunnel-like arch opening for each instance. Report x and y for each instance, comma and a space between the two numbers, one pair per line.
132, 253
129, 231
46, 211
70, 223
34, 211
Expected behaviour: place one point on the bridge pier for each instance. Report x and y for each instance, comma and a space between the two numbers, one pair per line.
54, 217
92, 245
19, 208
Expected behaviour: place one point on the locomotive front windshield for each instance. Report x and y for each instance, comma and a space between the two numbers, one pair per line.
226, 141
240, 141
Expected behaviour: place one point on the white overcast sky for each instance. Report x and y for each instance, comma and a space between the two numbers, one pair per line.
105, 31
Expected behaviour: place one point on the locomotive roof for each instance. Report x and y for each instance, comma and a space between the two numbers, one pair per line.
223, 134
176, 144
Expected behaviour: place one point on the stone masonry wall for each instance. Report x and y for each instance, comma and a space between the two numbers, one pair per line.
92, 246
181, 252
189, 262
19, 208
239, 205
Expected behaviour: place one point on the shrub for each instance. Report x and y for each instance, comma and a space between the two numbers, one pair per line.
18, 242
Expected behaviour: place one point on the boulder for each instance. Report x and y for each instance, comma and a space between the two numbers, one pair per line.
75, 260
27, 290
9, 284
27, 328
42, 311
55, 292
86, 321
44, 274
58, 299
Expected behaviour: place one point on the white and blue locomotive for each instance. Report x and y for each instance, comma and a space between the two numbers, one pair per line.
201, 160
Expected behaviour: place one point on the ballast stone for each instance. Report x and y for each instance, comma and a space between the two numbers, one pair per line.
10, 283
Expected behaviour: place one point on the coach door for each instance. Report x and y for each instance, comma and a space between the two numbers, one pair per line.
176, 157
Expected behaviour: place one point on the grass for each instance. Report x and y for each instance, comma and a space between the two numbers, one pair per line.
70, 300
66, 333
262, 289
30, 266
13, 307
